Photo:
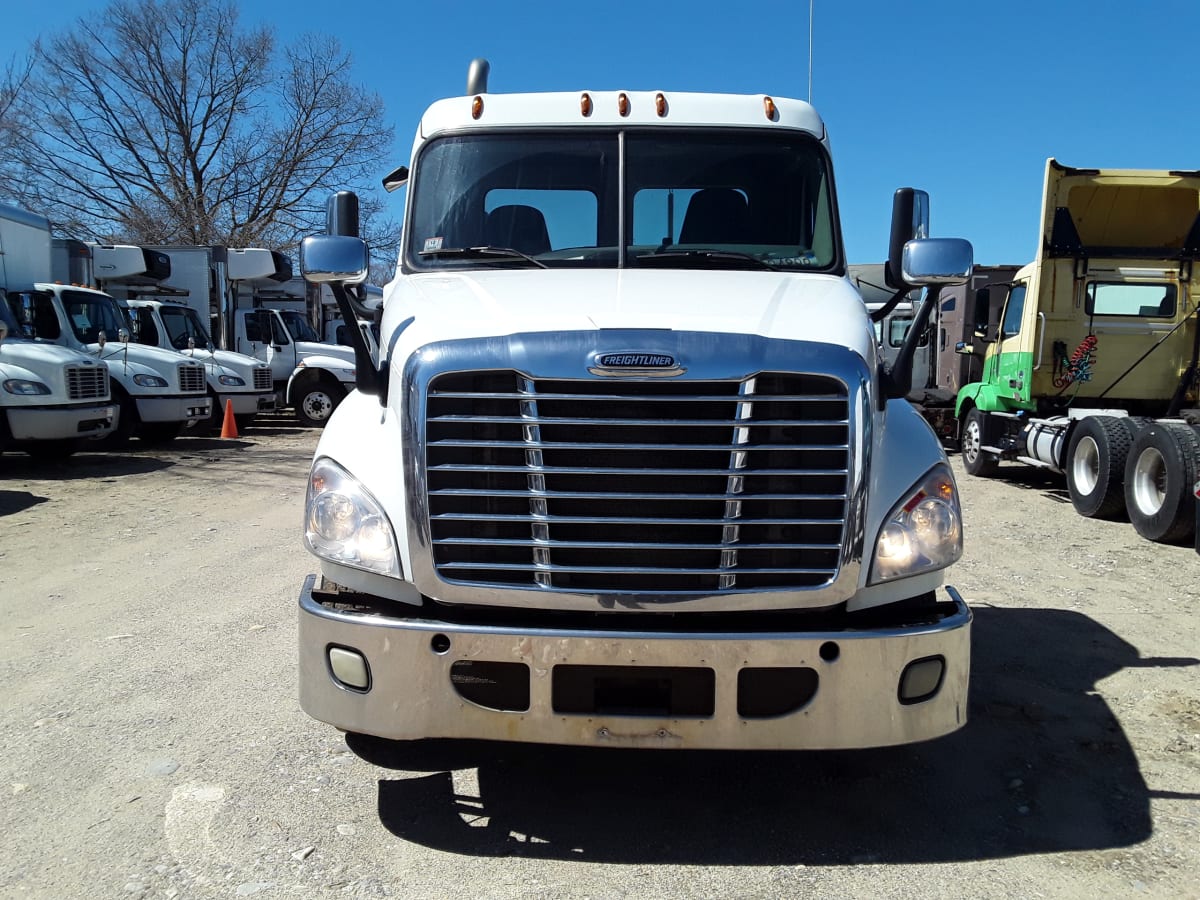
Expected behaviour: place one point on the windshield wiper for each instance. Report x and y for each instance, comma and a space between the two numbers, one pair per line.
499, 254
672, 254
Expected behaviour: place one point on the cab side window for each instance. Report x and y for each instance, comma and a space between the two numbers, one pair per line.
1013, 310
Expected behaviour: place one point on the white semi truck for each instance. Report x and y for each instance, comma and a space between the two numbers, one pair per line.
628, 469
51, 398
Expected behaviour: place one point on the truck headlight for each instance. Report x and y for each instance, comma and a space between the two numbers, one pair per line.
230, 381
923, 532
345, 524
152, 381
25, 388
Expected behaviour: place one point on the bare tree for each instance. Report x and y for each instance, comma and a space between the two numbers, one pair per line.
166, 122
12, 84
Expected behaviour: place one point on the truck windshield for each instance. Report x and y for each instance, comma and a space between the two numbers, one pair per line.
183, 324
89, 314
298, 326
691, 198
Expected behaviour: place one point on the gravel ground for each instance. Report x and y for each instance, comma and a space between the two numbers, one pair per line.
152, 745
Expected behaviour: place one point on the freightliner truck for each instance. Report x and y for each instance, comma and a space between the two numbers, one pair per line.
628, 470
1090, 366
223, 286
52, 399
234, 380
158, 392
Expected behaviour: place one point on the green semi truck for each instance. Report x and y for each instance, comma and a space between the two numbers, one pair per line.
1090, 362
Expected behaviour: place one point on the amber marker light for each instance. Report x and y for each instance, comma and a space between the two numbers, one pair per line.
585, 105
623, 104
769, 108
476, 107
660, 105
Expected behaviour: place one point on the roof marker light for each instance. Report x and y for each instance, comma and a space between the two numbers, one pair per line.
769, 107
585, 105
623, 103
476, 107
660, 104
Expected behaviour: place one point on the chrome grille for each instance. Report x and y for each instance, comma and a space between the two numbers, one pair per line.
262, 378
191, 379
87, 382
637, 486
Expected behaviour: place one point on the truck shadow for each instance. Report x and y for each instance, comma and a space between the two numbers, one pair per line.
87, 463
1042, 766
13, 502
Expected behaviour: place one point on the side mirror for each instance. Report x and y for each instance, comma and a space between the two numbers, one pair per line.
930, 261
328, 258
964, 349
910, 221
123, 335
989, 334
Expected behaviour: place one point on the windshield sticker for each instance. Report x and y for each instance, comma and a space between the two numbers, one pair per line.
432, 244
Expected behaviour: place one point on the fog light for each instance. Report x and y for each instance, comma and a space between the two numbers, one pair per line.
921, 679
349, 668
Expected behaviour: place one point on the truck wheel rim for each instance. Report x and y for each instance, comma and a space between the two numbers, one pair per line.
971, 442
1085, 467
318, 405
1149, 481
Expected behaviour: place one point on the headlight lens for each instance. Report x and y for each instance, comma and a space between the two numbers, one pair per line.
149, 381
25, 388
923, 533
345, 524
231, 381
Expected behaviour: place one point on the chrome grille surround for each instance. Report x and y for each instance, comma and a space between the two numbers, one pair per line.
191, 378
87, 382
738, 486
262, 378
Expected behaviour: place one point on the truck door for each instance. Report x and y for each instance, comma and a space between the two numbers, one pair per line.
1011, 368
263, 335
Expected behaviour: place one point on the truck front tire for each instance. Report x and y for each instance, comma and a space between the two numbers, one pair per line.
976, 460
1159, 475
316, 401
1095, 466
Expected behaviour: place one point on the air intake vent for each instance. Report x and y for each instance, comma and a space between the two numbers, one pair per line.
191, 379
689, 487
262, 378
87, 382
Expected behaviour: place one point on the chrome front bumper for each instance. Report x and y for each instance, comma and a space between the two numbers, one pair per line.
420, 672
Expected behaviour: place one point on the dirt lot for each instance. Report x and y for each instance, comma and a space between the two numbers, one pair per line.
152, 746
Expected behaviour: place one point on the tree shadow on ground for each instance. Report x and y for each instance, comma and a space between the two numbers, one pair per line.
1042, 766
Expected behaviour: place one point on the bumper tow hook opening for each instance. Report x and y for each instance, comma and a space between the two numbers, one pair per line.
439, 644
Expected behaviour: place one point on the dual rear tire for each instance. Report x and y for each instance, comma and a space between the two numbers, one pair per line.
1160, 473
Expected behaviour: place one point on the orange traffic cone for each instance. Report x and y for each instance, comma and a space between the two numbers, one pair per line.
229, 426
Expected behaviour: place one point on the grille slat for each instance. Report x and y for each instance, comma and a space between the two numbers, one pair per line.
87, 382
680, 487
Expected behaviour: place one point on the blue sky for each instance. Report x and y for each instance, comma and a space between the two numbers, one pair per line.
962, 99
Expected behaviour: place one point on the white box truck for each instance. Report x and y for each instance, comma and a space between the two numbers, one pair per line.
628, 470
159, 393
51, 398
